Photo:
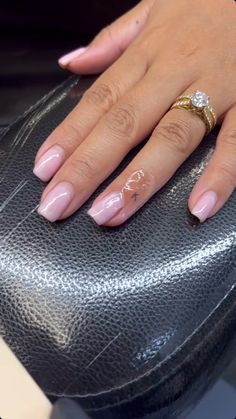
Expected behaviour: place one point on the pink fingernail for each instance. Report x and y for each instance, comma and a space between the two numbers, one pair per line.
106, 208
205, 205
56, 201
49, 163
66, 59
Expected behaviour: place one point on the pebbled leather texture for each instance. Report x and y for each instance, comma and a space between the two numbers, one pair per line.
132, 322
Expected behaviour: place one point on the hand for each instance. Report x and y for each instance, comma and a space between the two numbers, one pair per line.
157, 51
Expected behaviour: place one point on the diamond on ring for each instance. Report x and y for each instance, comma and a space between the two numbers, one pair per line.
199, 104
199, 99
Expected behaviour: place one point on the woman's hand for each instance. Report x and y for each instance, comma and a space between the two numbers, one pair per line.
157, 51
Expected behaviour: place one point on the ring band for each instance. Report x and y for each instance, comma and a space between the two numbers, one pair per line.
198, 103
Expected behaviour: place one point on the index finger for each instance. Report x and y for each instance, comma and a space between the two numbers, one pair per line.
95, 102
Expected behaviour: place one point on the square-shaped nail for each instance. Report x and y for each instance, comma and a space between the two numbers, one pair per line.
204, 206
56, 201
49, 163
106, 208
66, 59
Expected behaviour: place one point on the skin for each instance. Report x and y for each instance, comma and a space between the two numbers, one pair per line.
157, 51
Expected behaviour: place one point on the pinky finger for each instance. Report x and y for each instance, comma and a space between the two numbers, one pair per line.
218, 181
109, 43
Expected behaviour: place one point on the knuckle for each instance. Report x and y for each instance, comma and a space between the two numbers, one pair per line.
229, 137
84, 167
227, 169
100, 95
175, 134
107, 33
122, 121
69, 130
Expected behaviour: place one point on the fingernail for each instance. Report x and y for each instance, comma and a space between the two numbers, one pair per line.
66, 59
49, 163
56, 201
106, 208
205, 205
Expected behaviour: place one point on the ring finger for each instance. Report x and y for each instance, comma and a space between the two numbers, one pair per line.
175, 137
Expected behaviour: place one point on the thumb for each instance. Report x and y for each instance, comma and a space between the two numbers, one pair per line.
109, 43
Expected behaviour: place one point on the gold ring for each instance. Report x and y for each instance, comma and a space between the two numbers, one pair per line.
198, 103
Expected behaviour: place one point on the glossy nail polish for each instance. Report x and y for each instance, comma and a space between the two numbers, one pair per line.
205, 205
106, 208
56, 201
66, 59
49, 163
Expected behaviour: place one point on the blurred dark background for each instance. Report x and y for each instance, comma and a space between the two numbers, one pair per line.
34, 35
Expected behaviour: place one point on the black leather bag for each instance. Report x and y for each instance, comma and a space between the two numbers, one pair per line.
132, 322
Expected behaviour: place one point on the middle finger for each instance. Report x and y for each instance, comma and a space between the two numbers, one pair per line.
128, 121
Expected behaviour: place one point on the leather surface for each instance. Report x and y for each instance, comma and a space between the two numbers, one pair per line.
67, 409
134, 321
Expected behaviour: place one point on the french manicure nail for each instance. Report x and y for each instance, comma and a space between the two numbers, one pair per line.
66, 59
56, 201
106, 208
204, 206
49, 163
